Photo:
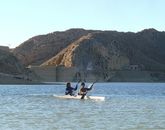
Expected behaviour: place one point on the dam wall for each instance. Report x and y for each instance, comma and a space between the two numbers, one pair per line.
61, 74
45, 74
72, 74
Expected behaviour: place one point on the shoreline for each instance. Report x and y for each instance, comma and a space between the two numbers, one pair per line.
64, 83
9, 80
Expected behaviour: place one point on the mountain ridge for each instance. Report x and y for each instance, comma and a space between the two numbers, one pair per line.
133, 46
101, 52
35, 50
125, 42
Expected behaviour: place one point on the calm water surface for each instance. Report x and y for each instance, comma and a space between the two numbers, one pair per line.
128, 106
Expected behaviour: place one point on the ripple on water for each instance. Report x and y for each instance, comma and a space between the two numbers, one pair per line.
34, 108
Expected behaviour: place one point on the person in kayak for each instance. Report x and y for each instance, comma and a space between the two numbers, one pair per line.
70, 90
84, 90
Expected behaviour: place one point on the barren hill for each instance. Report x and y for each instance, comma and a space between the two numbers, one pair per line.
38, 49
112, 50
108, 54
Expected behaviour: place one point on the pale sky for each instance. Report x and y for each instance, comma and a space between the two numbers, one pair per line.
23, 19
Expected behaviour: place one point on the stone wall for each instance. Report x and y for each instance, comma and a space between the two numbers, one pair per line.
131, 76
62, 74
46, 74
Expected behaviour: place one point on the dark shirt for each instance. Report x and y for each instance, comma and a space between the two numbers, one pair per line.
70, 90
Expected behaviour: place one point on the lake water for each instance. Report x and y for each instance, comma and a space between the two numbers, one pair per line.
128, 106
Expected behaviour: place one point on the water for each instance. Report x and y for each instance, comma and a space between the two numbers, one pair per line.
128, 106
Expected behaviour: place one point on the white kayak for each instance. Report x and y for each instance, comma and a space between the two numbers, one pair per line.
79, 97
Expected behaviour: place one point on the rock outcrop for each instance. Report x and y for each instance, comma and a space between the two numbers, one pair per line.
114, 51
101, 52
38, 49
9, 64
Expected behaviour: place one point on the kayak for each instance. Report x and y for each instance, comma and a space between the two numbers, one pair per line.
79, 97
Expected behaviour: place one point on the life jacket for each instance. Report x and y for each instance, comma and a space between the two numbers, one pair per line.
83, 90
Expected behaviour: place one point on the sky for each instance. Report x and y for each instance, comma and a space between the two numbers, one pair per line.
23, 19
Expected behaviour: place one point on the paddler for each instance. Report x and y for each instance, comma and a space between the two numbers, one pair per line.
84, 90
70, 90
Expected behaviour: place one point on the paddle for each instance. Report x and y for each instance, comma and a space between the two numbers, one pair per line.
77, 86
78, 83
88, 90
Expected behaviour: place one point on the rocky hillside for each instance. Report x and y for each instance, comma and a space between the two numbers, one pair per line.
110, 50
38, 49
9, 64
100, 51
